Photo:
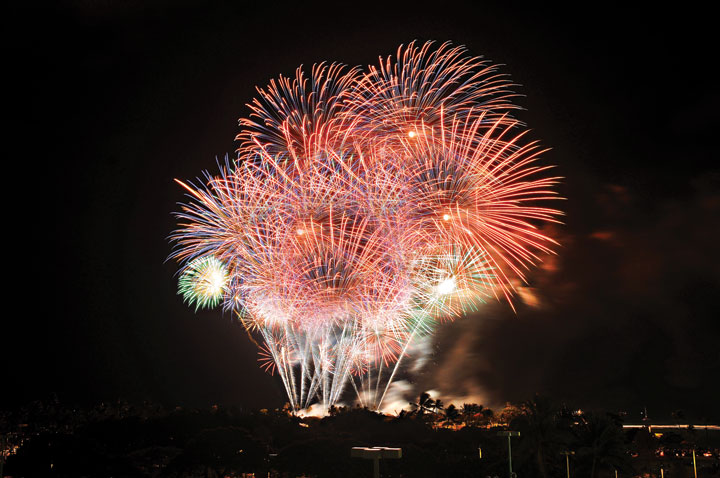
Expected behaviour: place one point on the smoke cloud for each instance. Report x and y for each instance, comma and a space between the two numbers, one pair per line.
623, 317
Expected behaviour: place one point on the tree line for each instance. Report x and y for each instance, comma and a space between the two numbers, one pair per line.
437, 441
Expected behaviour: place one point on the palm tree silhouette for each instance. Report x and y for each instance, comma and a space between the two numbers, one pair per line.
601, 442
542, 434
452, 415
425, 404
476, 415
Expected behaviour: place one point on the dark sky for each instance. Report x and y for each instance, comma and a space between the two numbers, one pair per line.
109, 101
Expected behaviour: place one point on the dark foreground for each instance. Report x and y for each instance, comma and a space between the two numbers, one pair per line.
120, 440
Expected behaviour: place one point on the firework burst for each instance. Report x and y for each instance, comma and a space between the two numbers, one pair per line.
365, 208
203, 282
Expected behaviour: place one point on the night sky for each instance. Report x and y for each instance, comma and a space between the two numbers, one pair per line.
109, 101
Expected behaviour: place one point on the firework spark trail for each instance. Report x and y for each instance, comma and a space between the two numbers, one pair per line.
363, 210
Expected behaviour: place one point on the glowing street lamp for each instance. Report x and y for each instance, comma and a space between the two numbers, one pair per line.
509, 434
567, 461
375, 454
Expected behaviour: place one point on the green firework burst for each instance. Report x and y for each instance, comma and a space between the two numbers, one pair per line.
203, 282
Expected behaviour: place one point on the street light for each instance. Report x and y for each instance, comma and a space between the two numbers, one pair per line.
567, 460
509, 434
375, 454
